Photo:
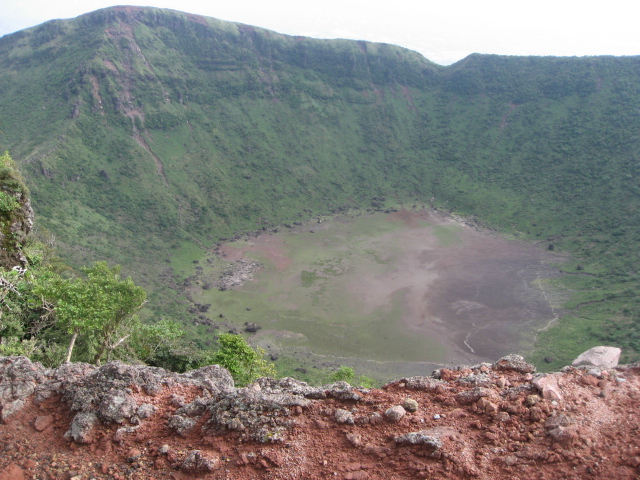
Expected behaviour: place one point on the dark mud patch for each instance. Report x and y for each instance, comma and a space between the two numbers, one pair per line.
489, 295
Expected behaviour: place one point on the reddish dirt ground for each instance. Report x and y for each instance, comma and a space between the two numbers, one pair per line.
503, 428
271, 246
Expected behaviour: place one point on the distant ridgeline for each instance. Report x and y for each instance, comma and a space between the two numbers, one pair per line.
141, 130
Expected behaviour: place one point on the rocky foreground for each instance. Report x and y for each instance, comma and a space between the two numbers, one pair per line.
489, 421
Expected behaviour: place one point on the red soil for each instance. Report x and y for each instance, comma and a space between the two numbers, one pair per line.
506, 434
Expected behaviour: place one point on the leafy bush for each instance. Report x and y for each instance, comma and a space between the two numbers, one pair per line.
8, 202
243, 362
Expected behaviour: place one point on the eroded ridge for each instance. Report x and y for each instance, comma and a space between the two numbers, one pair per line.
488, 421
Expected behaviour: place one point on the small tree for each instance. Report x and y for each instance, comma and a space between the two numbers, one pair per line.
101, 306
243, 362
149, 341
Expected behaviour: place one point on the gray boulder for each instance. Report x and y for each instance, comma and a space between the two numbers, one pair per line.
603, 357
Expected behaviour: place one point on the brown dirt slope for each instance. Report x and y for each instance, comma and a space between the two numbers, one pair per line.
490, 421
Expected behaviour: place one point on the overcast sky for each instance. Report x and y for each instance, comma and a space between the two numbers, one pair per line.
444, 31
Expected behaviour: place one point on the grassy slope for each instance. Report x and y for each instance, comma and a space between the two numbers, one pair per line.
145, 135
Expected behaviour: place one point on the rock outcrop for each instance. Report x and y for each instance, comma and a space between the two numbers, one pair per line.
16, 214
488, 421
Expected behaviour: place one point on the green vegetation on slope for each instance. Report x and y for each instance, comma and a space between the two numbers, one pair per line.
142, 130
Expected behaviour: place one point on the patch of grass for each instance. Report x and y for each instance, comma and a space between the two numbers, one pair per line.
307, 279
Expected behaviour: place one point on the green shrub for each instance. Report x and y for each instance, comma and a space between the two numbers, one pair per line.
8, 202
243, 362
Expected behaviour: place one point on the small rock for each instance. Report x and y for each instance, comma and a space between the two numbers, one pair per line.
503, 417
122, 433
486, 406
410, 405
536, 414
177, 400
556, 421
355, 439
510, 460
589, 380
133, 455
395, 414
343, 416
548, 385
533, 400
634, 462
565, 436
252, 327
43, 422
375, 419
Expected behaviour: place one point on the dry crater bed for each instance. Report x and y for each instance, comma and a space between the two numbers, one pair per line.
392, 294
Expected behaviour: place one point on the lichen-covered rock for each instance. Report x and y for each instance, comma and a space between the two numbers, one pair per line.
427, 384
514, 363
20, 378
81, 430
479, 380
117, 408
146, 410
10, 408
213, 378
343, 416
338, 390
419, 438
180, 424
106, 393
259, 414
472, 396
196, 462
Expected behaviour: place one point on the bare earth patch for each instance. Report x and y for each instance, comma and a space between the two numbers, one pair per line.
492, 422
